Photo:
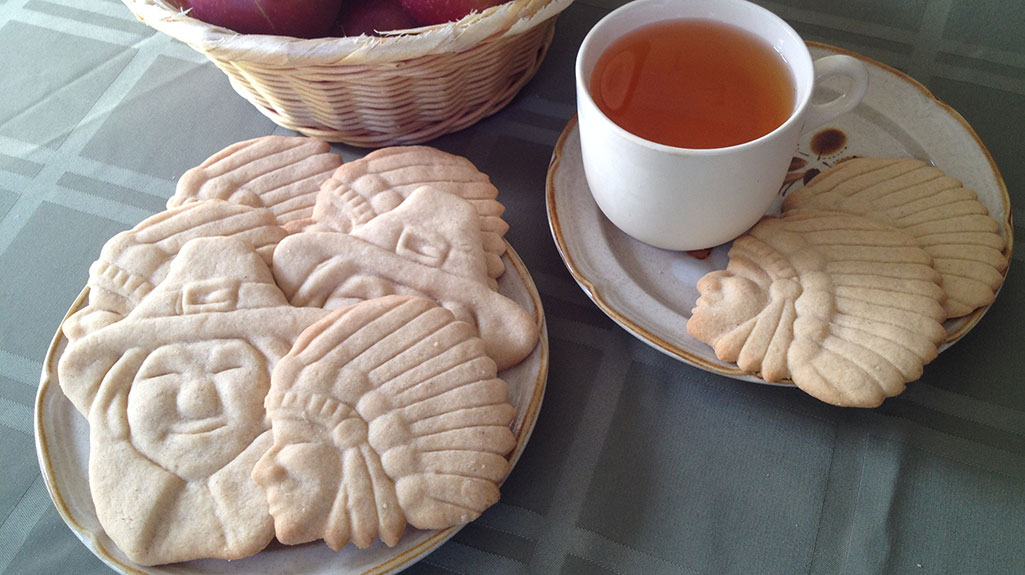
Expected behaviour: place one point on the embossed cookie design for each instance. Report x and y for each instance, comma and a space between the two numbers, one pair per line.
385, 413
280, 173
428, 245
360, 190
847, 307
133, 262
945, 218
174, 396
300, 350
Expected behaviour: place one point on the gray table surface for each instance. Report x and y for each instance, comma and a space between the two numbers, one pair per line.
638, 463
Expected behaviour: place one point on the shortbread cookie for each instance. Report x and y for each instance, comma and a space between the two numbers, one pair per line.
428, 245
384, 413
945, 218
339, 383
847, 307
280, 173
378, 182
174, 397
434, 228
133, 262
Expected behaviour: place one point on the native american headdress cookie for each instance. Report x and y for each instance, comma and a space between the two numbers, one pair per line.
428, 245
133, 262
174, 396
847, 307
377, 183
280, 173
945, 218
385, 413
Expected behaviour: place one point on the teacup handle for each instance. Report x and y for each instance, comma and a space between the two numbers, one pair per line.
837, 65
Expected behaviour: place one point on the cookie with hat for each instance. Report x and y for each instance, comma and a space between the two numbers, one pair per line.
428, 245
174, 397
133, 262
378, 182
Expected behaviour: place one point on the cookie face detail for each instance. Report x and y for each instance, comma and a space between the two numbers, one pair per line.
385, 413
213, 389
944, 217
271, 356
174, 397
848, 308
280, 173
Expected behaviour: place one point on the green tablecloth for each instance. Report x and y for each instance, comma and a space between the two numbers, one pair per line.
638, 463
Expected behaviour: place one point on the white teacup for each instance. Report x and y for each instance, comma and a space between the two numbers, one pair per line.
685, 199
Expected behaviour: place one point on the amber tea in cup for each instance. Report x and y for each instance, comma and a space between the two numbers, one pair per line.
693, 83
713, 164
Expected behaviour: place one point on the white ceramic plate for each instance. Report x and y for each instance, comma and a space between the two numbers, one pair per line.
650, 292
62, 445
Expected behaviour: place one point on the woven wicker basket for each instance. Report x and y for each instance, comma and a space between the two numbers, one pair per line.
376, 91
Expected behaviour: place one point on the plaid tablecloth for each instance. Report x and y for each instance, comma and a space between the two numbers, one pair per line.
638, 463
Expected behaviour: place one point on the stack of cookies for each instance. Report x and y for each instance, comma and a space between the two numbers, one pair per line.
846, 292
299, 349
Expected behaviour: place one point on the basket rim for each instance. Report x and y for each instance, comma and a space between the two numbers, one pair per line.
511, 18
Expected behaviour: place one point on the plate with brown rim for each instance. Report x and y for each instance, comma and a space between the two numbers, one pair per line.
650, 292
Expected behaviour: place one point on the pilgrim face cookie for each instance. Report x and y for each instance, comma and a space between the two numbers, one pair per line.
215, 388
945, 218
280, 173
346, 394
425, 246
174, 397
385, 413
133, 262
377, 183
848, 308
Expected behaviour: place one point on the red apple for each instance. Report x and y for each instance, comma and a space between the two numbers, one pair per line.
370, 17
431, 12
298, 18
